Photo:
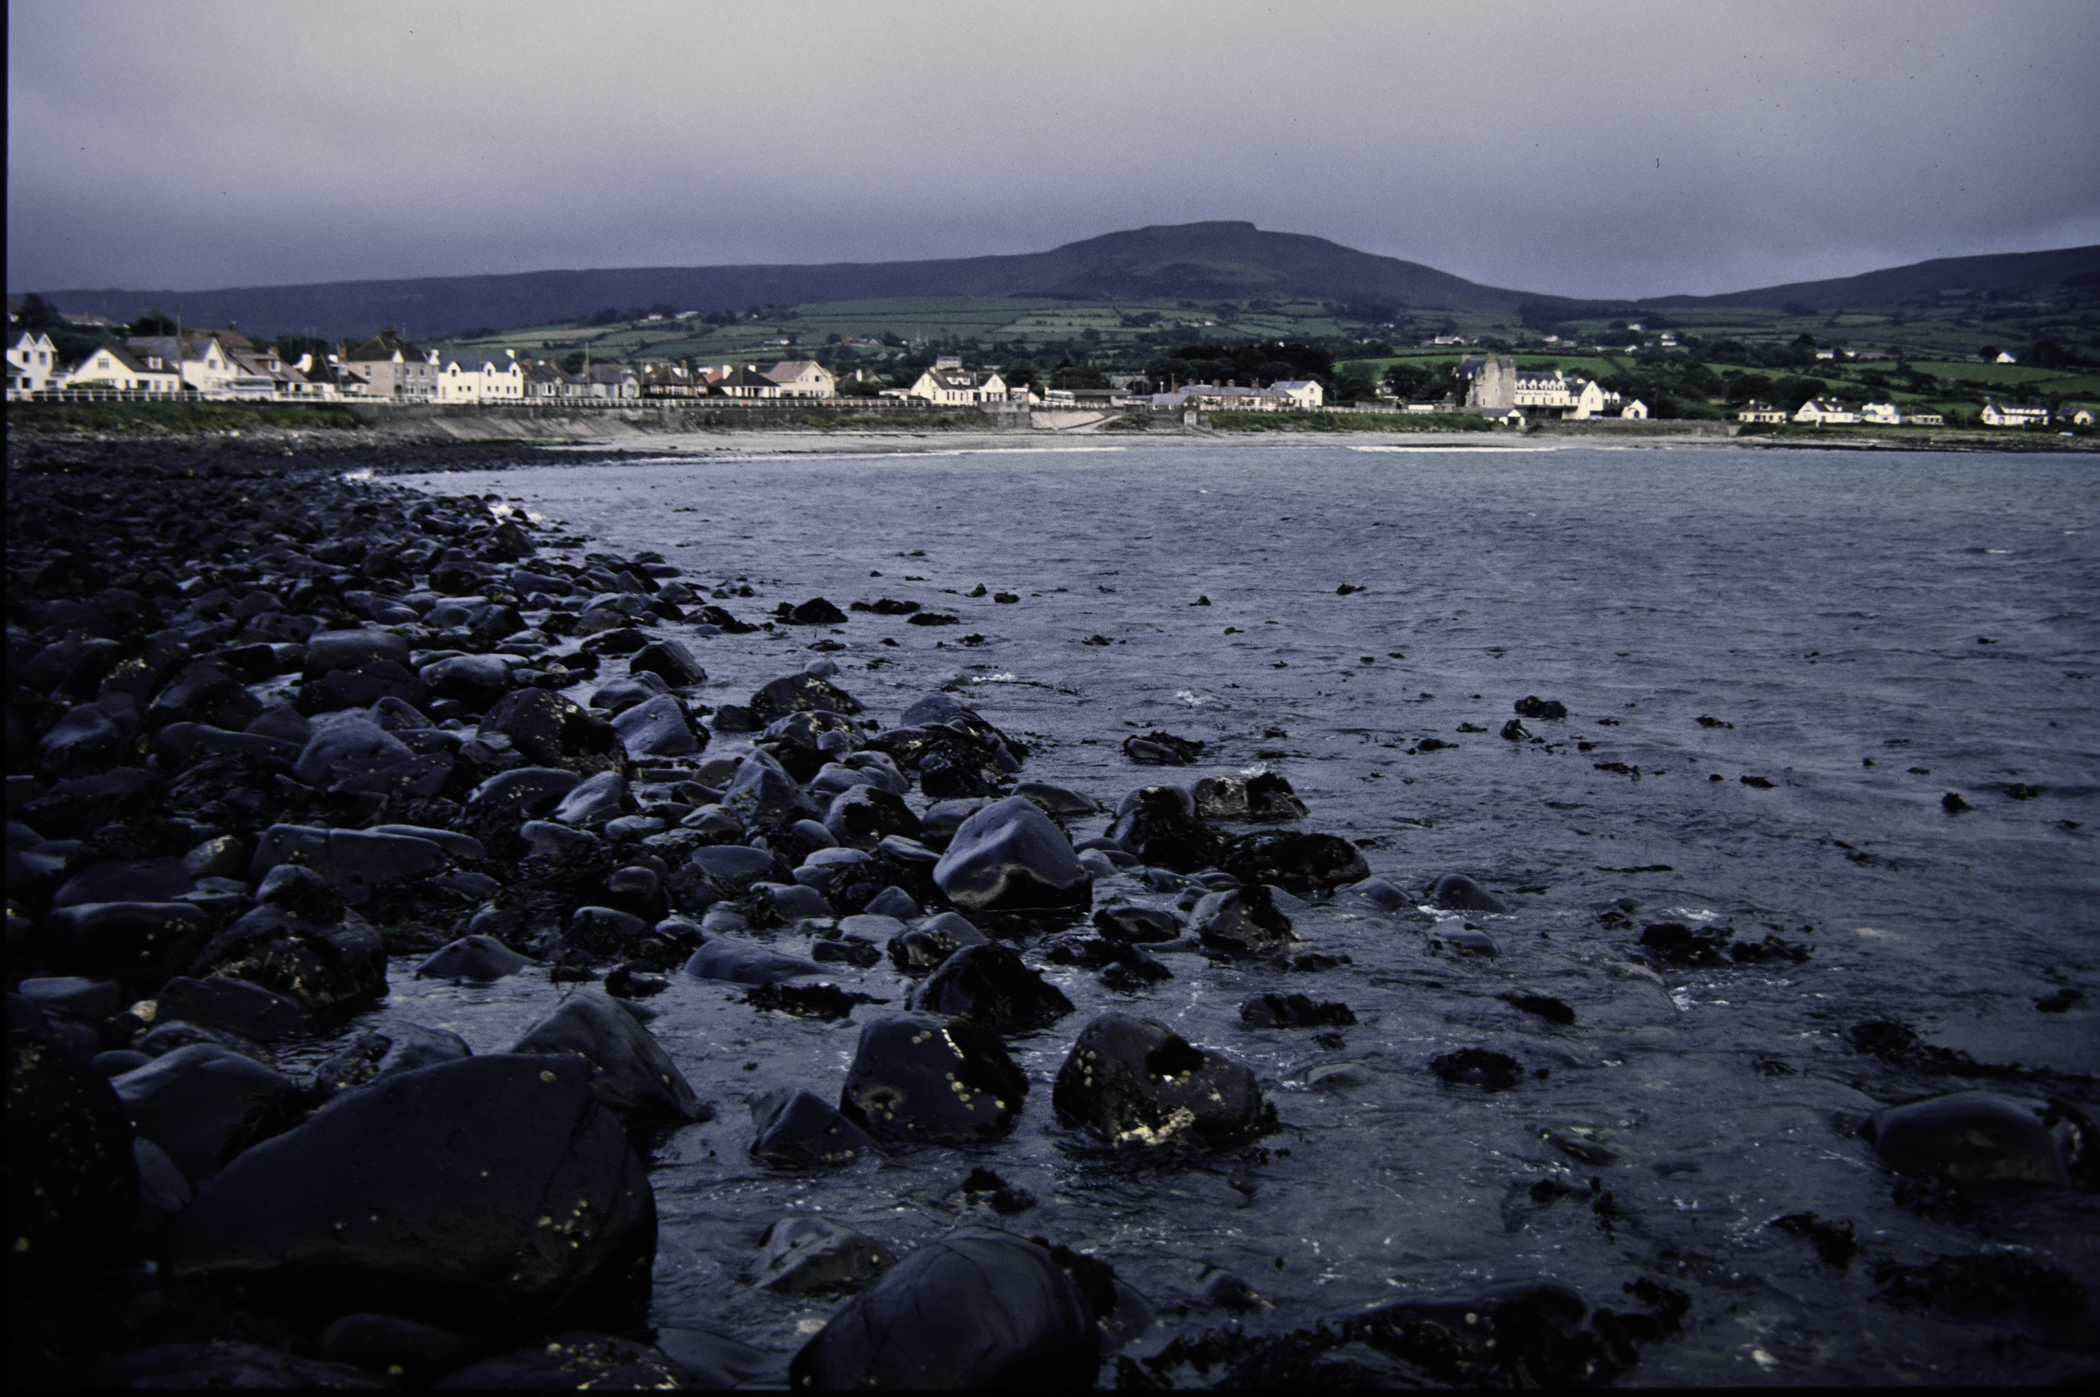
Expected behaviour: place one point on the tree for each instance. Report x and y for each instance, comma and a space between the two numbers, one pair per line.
290, 347
573, 361
154, 322
1988, 353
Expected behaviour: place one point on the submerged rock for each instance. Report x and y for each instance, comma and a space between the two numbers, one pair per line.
476, 958
1297, 863
1134, 1083
981, 1311
799, 1255
990, 985
1458, 893
1970, 1139
1244, 921
800, 1127
921, 1079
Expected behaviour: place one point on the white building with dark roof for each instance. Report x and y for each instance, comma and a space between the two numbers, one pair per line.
118, 368
32, 363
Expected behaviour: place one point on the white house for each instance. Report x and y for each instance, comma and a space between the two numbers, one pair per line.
2004, 358
2076, 416
1822, 411
953, 387
477, 377
116, 368
1755, 411
746, 382
395, 368
1636, 411
1924, 416
1884, 414
611, 381
32, 363
803, 378
1304, 393
2014, 415
314, 378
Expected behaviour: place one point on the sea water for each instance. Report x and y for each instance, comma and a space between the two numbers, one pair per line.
1866, 632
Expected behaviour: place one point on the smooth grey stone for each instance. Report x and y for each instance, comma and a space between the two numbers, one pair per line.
347, 749
72, 994
746, 963
656, 727
894, 902
255, 1013
1134, 1083
1010, 855
1970, 1139
1385, 896
1461, 894
592, 800
764, 794
794, 900
459, 846
142, 880
480, 958
732, 865
557, 841
524, 790
798, 1128
193, 1100
1056, 801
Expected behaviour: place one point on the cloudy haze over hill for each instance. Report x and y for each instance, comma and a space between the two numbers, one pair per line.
1639, 150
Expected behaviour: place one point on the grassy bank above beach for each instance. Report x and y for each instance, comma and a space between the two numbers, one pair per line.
1348, 422
176, 417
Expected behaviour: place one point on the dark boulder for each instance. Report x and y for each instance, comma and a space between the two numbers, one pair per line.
1134, 1083
623, 694
139, 880
202, 1104
352, 650
1243, 921
794, 693
1162, 749
1265, 796
861, 817
764, 794
85, 740
549, 730
1478, 1067
1532, 706
326, 965
72, 1178
921, 1079
630, 1071
932, 940
378, 1343
1974, 1140
814, 612
1528, 1334
605, 931
494, 1193
670, 661
1458, 893
1010, 855
573, 1361
387, 1052
474, 680
971, 1311
521, 792
1158, 824
593, 800
799, 1255
658, 728
1057, 802
234, 1006
1297, 863
137, 944
798, 1128
990, 985
1293, 1011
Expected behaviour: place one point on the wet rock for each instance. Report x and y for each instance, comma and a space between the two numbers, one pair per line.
630, 1071
1835, 1242
522, 792
494, 1193
814, 612
605, 931
1514, 731
990, 985
1222, 1290
1057, 802
575, 1360
136, 944
791, 901
471, 958
1243, 921
1161, 749
932, 941
746, 963
1552, 1010
801, 1255
1478, 1067
1466, 940
1134, 1083
326, 965
893, 902
1293, 1011
1458, 893
1266, 796
202, 1104
795, 693
1975, 1140
623, 694
85, 740
387, 1052
1131, 924
1158, 824
764, 794
1526, 1333
1297, 863
1010, 855
234, 1006
1532, 706
72, 1177
355, 863
1991, 1286
657, 728
800, 1128
352, 650
474, 680
981, 1311
223, 1364
207, 692
418, 1354
733, 868
549, 730
921, 1079
668, 660
826, 1003
1673, 943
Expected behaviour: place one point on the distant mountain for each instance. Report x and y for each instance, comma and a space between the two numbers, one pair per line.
2067, 273
1222, 261
1206, 261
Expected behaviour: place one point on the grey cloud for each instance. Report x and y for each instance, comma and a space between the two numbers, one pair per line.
1622, 150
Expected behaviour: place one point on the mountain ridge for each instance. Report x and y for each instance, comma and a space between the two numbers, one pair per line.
1209, 261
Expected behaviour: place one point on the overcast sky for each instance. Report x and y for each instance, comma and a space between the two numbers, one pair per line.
1625, 149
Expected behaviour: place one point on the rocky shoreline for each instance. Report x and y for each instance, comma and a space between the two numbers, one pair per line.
272, 729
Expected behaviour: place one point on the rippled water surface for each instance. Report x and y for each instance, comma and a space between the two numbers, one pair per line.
1871, 631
